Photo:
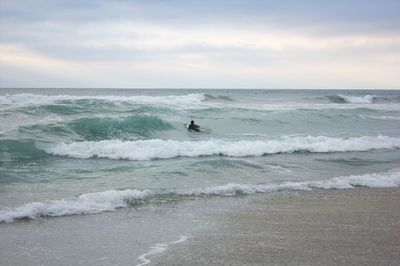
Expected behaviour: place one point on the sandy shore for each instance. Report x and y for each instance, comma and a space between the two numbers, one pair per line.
337, 227
327, 227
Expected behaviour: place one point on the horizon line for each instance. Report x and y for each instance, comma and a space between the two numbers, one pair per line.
193, 88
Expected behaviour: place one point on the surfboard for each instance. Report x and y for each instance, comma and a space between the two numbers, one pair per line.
192, 130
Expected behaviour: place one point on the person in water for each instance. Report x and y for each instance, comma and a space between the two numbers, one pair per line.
193, 127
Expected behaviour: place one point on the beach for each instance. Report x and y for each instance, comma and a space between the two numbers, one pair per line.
337, 227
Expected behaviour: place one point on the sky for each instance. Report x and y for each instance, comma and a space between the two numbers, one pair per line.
286, 44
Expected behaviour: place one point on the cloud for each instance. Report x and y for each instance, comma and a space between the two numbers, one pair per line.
200, 43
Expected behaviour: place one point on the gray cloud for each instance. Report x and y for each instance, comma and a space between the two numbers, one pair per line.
286, 12
120, 31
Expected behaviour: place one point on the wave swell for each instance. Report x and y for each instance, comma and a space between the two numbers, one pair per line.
100, 128
114, 199
164, 149
19, 150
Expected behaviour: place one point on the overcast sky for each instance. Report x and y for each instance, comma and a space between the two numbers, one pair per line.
347, 44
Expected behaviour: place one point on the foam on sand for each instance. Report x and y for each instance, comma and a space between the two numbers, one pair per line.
163, 149
158, 248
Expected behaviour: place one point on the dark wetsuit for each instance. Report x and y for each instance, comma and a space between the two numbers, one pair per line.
194, 127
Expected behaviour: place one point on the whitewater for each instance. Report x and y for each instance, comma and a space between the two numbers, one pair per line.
84, 152
114, 199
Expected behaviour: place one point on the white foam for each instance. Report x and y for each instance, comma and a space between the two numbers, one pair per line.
158, 248
293, 106
373, 180
381, 117
162, 149
27, 99
357, 99
84, 204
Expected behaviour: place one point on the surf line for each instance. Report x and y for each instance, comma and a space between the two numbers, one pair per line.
158, 248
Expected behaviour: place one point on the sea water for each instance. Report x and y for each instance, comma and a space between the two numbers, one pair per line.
80, 152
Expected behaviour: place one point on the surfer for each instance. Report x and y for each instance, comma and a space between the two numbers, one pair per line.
193, 127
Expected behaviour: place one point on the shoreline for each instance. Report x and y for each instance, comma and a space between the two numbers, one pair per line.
358, 226
320, 227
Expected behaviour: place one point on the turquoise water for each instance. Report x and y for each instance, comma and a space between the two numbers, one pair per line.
76, 152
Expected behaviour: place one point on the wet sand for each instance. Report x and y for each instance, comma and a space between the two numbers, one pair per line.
326, 227
336, 227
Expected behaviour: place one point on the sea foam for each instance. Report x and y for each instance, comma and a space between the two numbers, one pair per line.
158, 248
84, 204
163, 149
114, 199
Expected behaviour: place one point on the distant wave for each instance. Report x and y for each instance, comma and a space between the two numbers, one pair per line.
357, 99
163, 149
114, 199
350, 99
218, 97
366, 99
27, 99
293, 106
72, 104
379, 117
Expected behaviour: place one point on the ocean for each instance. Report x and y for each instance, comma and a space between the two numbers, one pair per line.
79, 153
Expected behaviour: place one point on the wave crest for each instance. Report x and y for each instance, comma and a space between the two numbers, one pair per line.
164, 149
374, 180
350, 99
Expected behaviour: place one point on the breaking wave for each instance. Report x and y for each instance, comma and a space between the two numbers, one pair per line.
84, 204
366, 99
114, 199
350, 99
27, 99
164, 149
